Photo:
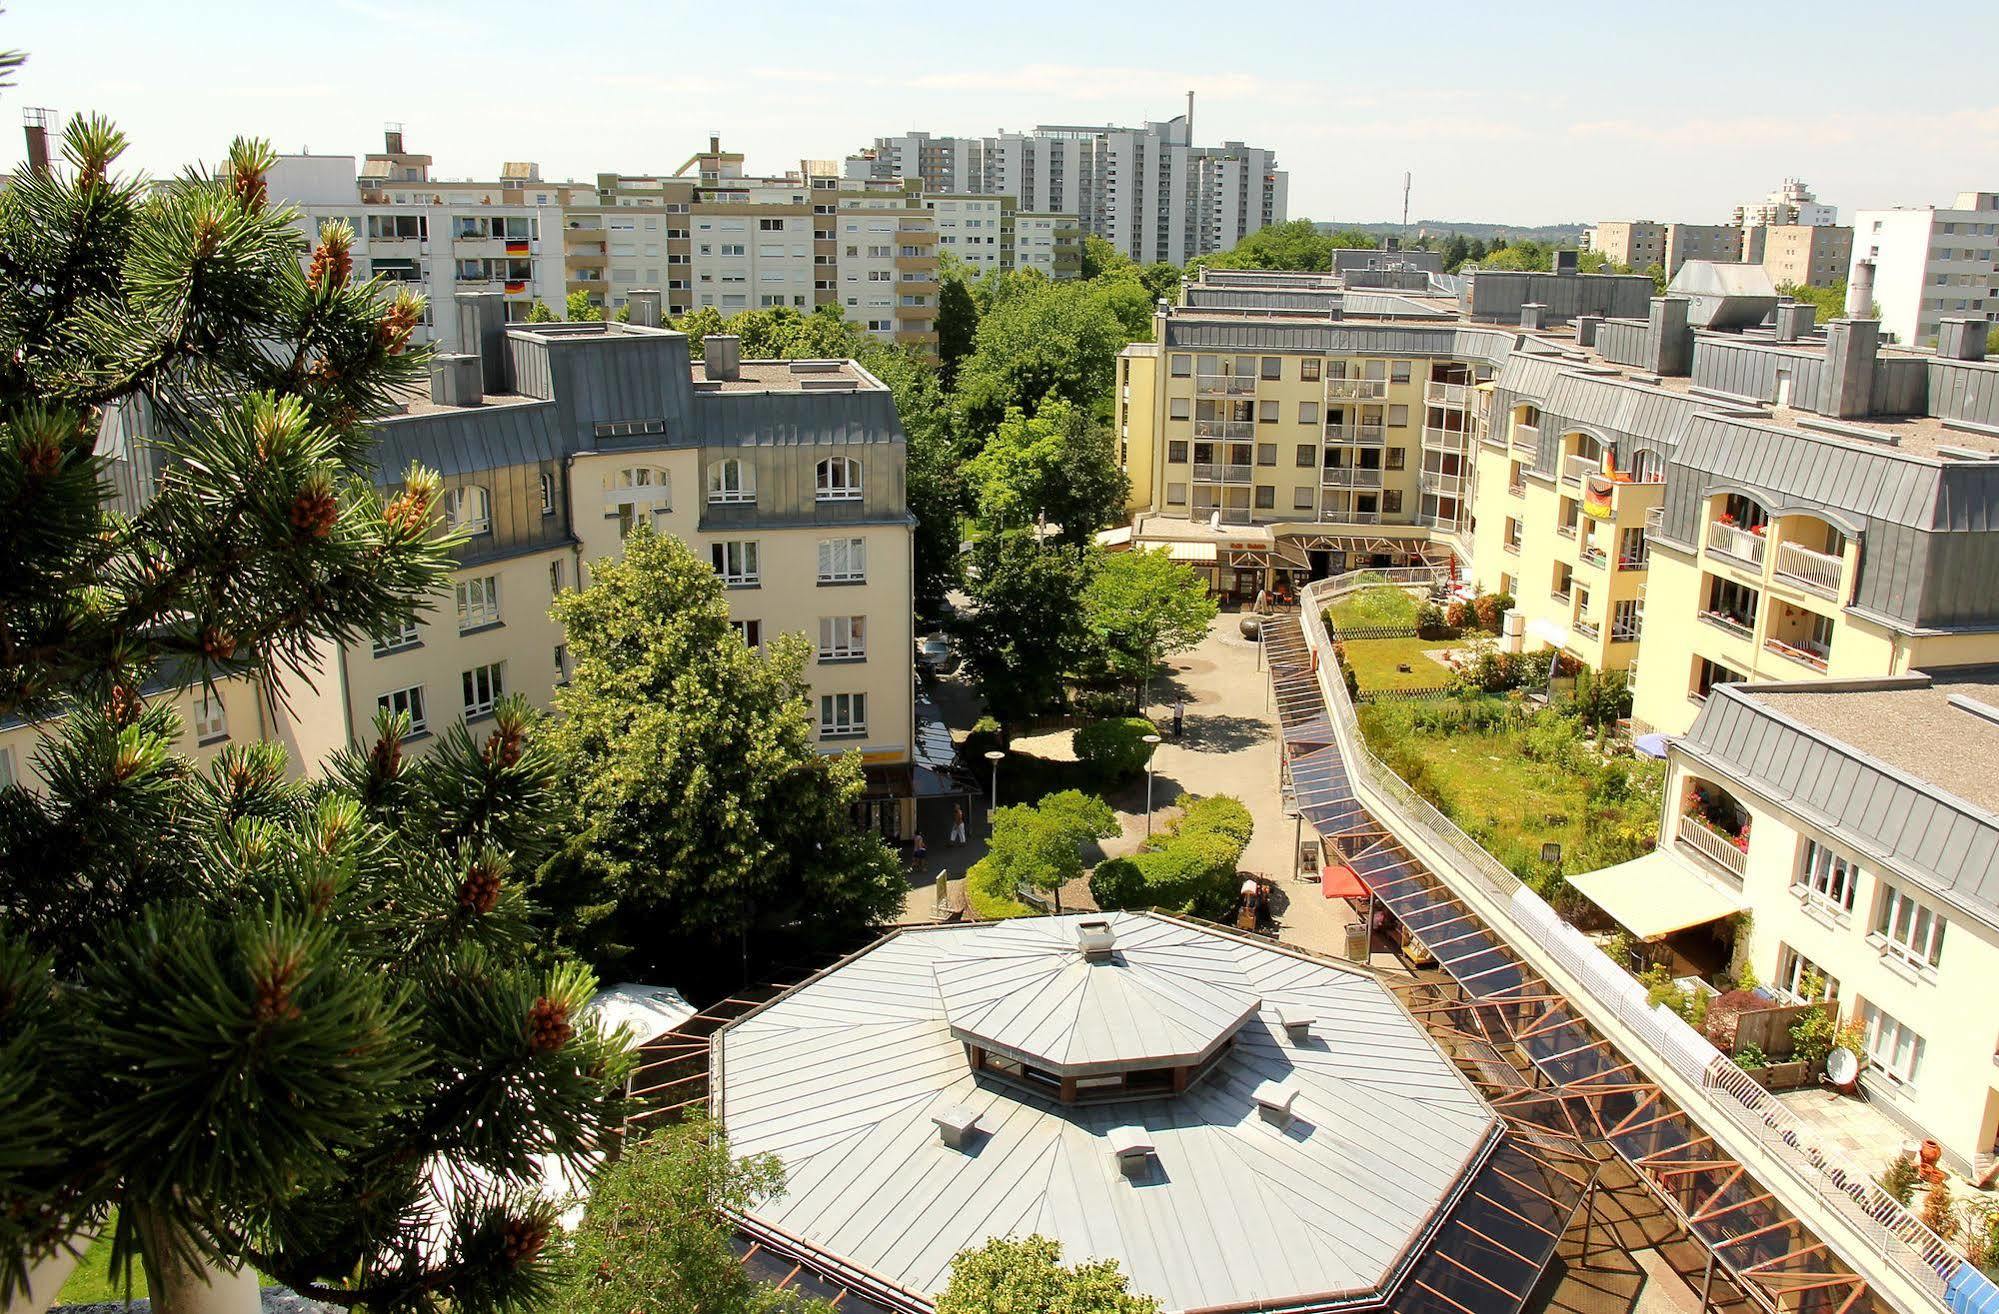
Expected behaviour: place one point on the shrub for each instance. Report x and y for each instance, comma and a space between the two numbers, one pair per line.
986, 896
1462, 615
1219, 814
1553, 739
1101, 704
1812, 1034
1114, 750
1118, 883
1899, 1180
1490, 611
1751, 1057
984, 735
1432, 622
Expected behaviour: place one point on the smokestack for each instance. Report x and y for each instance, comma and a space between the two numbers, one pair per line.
1190, 117
1860, 291
392, 138
35, 123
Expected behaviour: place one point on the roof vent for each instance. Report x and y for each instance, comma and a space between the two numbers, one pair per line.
1132, 1148
956, 1125
1297, 1022
1096, 940
1274, 1100
722, 357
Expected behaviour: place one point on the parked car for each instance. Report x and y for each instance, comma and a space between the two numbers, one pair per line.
936, 655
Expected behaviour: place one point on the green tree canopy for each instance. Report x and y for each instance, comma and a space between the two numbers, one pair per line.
1060, 466
580, 306
539, 313
707, 811
1296, 244
1016, 1275
1039, 340
1025, 629
957, 317
1041, 844
1138, 609
698, 324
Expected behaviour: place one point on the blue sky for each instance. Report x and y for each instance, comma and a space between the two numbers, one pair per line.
1502, 112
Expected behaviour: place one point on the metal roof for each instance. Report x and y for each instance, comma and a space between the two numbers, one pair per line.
840, 1078
467, 440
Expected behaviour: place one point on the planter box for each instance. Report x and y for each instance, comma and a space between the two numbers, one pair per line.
1781, 1076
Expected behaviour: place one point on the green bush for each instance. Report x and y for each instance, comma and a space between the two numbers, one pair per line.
986, 898
1101, 704
1554, 740
1114, 750
1118, 883
1433, 623
985, 734
1219, 814
1812, 1034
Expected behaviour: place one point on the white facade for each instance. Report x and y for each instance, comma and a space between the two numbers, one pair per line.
971, 228
1035, 242
751, 260
1931, 263
1792, 203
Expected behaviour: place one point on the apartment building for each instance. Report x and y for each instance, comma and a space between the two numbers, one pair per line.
1049, 244
1858, 820
441, 236
887, 252
1931, 263
634, 233
1805, 255
991, 234
1148, 191
230, 711
1793, 203
557, 439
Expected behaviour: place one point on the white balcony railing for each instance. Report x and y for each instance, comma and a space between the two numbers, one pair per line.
1242, 430
1362, 435
1231, 515
1448, 394
1592, 555
1818, 572
1347, 476
1232, 385
1443, 485
1578, 468
1356, 389
1221, 474
1588, 629
1444, 440
1734, 541
1721, 852
1527, 437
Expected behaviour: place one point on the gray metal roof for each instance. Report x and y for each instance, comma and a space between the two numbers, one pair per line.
1340, 338
840, 1078
467, 440
776, 419
1768, 738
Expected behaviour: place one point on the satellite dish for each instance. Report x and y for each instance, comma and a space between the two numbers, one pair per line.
1842, 1069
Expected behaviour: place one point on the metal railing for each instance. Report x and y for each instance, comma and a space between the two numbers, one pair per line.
1221, 474
1588, 629
1691, 834
1239, 429
1233, 385
1448, 394
1593, 556
1655, 516
1723, 1090
1231, 515
1347, 476
1444, 440
1444, 485
1818, 572
1734, 541
1356, 389
1808, 656
1736, 625
1364, 435
1518, 488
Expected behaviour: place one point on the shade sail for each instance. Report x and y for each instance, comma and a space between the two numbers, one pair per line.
1195, 552
1339, 881
1656, 895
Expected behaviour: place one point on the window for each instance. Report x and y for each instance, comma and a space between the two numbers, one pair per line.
1301, 498
1826, 879
1908, 930
555, 577
1398, 416
1266, 497
406, 702
1398, 458
1266, 453
1176, 408
483, 688
1176, 494
1183, 365
211, 723
1176, 451
478, 602
843, 560
839, 480
1892, 1047
842, 715
735, 560
1273, 367
1391, 501
1308, 371
1266, 412
1308, 412
1398, 372
1795, 973
405, 637
1308, 455
751, 632
470, 509
733, 480
843, 638
547, 494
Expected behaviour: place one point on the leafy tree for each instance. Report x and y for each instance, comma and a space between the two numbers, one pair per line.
1830, 299
1475, 251
1992, 343
1657, 273
1600, 699
957, 318
1040, 844
1059, 467
656, 1234
1138, 609
624, 315
1117, 884
1190, 868
1353, 239
698, 324
934, 486
1038, 339
1295, 245
1114, 749
539, 313
1100, 257
251, 1014
1009, 1275
1025, 629
581, 308
1456, 251
707, 813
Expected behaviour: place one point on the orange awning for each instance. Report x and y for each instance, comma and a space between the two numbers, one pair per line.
1339, 881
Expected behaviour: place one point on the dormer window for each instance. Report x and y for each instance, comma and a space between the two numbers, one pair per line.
839, 480
469, 509
732, 481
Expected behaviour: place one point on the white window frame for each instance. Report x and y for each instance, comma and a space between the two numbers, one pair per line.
1826, 879
211, 718
1792, 968
469, 508
750, 631
484, 686
547, 493
478, 602
409, 636
732, 481
843, 715
839, 479
843, 561
407, 699
843, 638
1908, 930
735, 560
1894, 1048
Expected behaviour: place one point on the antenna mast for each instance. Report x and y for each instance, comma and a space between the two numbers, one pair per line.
1405, 203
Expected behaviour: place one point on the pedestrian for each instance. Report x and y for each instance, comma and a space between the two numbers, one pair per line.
1262, 601
1179, 716
918, 850
958, 824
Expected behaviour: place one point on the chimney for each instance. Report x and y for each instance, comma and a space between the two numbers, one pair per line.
1850, 348
956, 1125
482, 331
1131, 1147
1274, 1100
1565, 262
722, 357
1669, 340
1794, 320
455, 379
714, 143
1297, 1022
1860, 291
1962, 339
1586, 327
644, 302
1096, 939
1533, 316
35, 124
1391, 243
392, 138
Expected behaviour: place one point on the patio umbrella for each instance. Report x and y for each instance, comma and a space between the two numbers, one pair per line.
1652, 745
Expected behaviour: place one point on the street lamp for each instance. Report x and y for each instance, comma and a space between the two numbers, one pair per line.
993, 755
1152, 746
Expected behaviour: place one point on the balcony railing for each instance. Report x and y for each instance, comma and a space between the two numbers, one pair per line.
1243, 430
1444, 440
1624, 633
1231, 385
1578, 468
1518, 488
1356, 389
1633, 561
1734, 541
1593, 556
1231, 515
1812, 657
1527, 437
1566, 531
1722, 853
1738, 626
1444, 485
1588, 629
1361, 435
1655, 516
1221, 474
1347, 476
1817, 572
1448, 394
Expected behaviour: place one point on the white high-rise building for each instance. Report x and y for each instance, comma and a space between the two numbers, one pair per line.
1792, 204
1148, 191
1931, 263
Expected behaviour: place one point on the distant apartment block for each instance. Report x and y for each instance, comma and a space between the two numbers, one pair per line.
1791, 204
1638, 243
1789, 233
1148, 191
1804, 255
1931, 264
990, 234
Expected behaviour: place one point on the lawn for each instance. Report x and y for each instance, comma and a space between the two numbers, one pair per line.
1374, 662
1382, 606
89, 1284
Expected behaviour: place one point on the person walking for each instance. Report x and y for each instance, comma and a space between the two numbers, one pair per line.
918, 850
1179, 716
957, 824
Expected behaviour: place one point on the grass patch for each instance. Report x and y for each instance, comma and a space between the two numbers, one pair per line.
1380, 606
1374, 662
90, 1284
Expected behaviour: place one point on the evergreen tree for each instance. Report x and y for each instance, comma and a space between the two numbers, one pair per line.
262, 1019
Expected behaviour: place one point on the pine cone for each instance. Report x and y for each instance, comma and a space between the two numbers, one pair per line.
315, 510
479, 891
332, 262
324, 372
407, 510
41, 455
274, 994
401, 321
548, 1026
248, 187
124, 706
521, 1241
217, 645
386, 757
503, 746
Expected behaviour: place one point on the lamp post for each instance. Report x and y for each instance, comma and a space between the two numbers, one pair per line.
1151, 747
993, 755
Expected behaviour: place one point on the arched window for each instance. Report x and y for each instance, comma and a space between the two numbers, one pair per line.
634, 492
470, 509
732, 480
1647, 467
839, 479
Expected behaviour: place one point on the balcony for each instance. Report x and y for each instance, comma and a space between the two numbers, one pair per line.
1231, 515
1575, 469
1240, 430
1566, 531
1588, 629
1356, 389
1221, 474
1697, 838
1634, 561
1517, 488
1448, 394
1813, 656
1736, 543
1444, 440
1592, 555
1512, 545
1443, 485
1526, 438
1225, 385
1357, 435
1347, 476
1815, 572
1742, 627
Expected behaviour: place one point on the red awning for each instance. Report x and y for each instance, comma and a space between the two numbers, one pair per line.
1339, 881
